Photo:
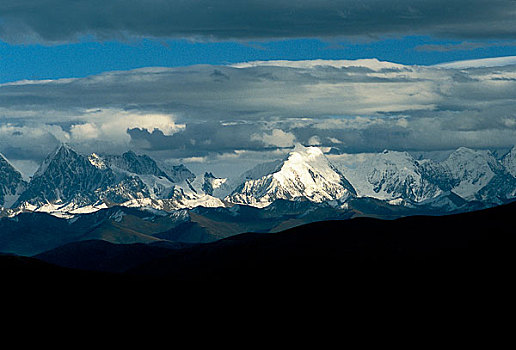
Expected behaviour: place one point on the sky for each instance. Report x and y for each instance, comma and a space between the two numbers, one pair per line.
226, 83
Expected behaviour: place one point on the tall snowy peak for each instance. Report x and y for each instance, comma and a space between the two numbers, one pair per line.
11, 183
388, 175
305, 174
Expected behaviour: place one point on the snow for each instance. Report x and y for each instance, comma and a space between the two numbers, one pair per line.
159, 187
388, 175
509, 161
66, 211
306, 173
97, 161
175, 204
397, 201
473, 169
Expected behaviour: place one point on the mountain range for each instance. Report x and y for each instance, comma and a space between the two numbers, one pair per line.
130, 198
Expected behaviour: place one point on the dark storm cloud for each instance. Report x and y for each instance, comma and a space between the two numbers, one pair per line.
64, 20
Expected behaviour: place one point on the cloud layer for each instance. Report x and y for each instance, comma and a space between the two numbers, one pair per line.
63, 20
206, 111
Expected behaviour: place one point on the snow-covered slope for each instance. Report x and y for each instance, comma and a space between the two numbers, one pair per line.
388, 176
470, 174
479, 175
11, 183
305, 174
509, 161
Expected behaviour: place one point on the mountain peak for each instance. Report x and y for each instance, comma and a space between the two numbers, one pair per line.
305, 174
62, 153
64, 148
464, 150
307, 151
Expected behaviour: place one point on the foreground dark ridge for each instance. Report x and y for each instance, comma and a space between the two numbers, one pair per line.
471, 245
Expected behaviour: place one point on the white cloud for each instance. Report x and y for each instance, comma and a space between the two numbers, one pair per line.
277, 138
314, 141
86, 131
113, 125
372, 64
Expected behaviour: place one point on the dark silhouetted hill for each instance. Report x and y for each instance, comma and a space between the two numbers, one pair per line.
476, 245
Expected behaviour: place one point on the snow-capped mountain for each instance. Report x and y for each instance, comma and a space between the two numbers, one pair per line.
67, 177
72, 183
305, 174
397, 177
68, 183
388, 176
11, 183
478, 175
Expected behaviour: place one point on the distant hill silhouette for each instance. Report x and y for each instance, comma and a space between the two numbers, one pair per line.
472, 245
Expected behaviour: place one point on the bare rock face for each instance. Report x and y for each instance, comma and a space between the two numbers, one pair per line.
11, 183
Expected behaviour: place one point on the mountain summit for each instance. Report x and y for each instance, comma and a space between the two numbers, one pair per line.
66, 176
306, 174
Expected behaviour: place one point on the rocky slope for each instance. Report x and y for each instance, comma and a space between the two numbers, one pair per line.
11, 183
